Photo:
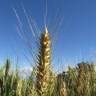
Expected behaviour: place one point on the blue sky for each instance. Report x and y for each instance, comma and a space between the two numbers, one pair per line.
76, 36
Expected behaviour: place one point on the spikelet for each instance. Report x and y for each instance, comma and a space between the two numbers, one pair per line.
43, 67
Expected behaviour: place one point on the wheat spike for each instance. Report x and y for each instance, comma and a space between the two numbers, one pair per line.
43, 67
61, 86
19, 88
63, 91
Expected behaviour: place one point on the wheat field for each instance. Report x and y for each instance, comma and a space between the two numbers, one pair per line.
43, 81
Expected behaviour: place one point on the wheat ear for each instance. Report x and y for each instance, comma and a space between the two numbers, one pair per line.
43, 62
